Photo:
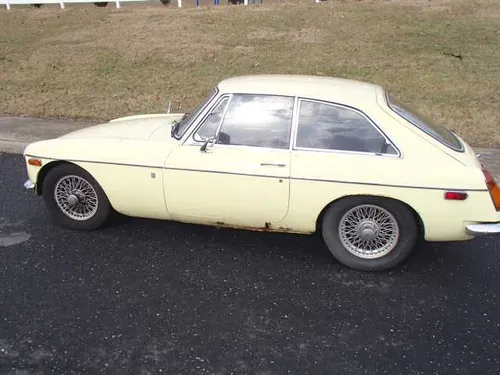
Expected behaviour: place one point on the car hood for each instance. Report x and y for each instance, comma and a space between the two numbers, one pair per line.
131, 127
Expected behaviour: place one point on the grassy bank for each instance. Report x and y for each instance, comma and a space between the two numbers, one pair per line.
100, 63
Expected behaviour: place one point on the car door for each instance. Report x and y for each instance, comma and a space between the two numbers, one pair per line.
241, 177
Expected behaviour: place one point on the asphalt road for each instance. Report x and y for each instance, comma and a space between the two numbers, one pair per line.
152, 297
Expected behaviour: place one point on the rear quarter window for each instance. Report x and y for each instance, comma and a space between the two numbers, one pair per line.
326, 126
436, 131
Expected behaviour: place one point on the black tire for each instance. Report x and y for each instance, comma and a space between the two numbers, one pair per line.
406, 223
101, 5
97, 220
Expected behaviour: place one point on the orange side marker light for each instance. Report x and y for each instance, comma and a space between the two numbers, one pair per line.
35, 162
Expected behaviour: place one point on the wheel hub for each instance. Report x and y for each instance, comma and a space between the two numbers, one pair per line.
367, 230
72, 200
76, 197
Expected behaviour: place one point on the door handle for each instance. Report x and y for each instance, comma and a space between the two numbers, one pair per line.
272, 165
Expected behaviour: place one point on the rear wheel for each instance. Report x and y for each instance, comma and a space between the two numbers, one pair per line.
369, 233
74, 198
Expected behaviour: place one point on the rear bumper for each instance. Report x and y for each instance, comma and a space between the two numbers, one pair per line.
482, 229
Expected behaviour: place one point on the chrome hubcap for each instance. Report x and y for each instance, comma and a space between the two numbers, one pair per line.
76, 197
368, 231
72, 200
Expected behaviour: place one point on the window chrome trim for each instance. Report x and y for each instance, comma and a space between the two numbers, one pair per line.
391, 106
399, 154
360, 153
207, 115
199, 120
191, 141
217, 131
295, 122
264, 149
215, 94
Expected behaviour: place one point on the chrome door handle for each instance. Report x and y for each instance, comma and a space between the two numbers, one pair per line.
272, 165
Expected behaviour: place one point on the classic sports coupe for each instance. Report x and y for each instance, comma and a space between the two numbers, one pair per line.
284, 153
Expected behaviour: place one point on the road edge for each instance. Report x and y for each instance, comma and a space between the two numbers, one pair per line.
9, 146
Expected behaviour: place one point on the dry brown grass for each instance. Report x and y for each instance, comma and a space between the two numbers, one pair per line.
99, 63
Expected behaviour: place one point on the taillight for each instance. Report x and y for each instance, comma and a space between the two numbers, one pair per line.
493, 188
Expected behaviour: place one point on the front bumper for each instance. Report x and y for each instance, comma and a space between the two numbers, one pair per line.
482, 229
29, 185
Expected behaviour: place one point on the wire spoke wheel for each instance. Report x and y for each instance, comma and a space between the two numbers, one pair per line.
76, 197
368, 231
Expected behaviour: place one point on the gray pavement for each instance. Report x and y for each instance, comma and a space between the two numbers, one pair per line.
158, 297
146, 296
17, 132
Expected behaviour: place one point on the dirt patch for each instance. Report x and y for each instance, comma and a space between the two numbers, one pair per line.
308, 35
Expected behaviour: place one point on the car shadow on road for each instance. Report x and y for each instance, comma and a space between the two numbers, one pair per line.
290, 247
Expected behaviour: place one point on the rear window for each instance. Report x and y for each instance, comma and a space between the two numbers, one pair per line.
436, 131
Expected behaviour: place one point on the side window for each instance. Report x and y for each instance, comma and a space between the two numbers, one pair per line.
211, 122
257, 120
331, 127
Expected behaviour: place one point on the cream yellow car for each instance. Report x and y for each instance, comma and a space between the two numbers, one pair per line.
285, 153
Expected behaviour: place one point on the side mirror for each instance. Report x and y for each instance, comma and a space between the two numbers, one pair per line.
205, 147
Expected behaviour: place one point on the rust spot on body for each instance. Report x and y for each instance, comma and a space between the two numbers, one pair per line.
266, 228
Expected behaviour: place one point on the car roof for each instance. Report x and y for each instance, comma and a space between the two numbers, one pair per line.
315, 87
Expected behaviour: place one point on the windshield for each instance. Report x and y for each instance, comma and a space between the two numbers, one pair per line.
186, 121
436, 131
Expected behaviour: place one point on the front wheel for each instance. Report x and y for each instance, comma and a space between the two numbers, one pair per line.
74, 198
369, 233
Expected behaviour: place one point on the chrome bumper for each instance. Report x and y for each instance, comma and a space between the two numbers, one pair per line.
29, 185
482, 229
